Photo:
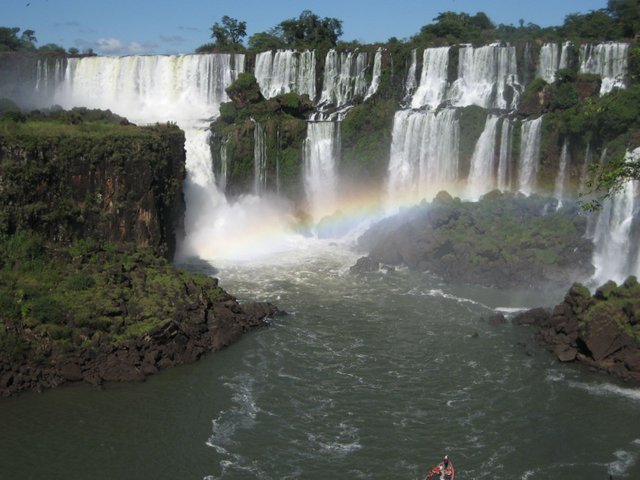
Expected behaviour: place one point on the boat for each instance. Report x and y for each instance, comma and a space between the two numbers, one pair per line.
442, 471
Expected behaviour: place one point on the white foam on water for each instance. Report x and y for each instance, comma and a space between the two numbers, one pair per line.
623, 462
511, 309
607, 389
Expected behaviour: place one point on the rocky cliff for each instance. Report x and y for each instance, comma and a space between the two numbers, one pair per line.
92, 179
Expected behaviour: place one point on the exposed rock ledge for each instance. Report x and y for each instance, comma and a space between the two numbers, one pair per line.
601, 331
209, 326
117, 316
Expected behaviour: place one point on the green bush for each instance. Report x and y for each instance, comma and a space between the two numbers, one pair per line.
80, 281
43, 309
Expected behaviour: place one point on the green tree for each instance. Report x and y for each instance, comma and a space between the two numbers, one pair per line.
229, 33
458, 27
52, 48
627, 14
596, 25
264, 41
9, 40
310, 31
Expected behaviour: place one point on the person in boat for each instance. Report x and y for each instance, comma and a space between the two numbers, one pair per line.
444, 470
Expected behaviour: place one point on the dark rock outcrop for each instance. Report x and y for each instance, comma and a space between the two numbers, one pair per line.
204, 318
504, 240
600, 331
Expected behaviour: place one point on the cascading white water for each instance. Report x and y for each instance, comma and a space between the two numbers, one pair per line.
224, 167
548, 62
411, 82
504, 160
529, 155
609, 60
424, 154
562, 173
320, 176
584, 171
615, 238
49, 74
377, 71
553, 57
187, 89
259, 159
485, 77
344, 77
433, 81
565, 55
482, 178
286, 71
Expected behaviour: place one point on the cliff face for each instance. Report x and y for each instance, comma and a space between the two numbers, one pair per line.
116, 183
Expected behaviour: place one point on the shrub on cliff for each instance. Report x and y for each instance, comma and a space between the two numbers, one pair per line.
245, 90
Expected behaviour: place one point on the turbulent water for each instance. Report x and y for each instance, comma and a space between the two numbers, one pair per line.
371, 377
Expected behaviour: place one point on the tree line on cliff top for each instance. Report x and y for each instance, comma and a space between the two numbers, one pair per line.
619, 20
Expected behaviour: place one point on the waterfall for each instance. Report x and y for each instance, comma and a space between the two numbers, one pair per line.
286, 71
410, 84
548, 62
433, 80
609, 60
504, 160
259, 158
617, 232
224, 167
49, 75
562, 173
377, 71
565, 55
321, 150
481, 177
424, 154
529, 155
584, 171
344, 77
147, 89
487, 77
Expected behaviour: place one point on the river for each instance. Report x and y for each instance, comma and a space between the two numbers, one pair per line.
367, 377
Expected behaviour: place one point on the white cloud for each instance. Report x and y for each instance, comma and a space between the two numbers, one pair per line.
114, 46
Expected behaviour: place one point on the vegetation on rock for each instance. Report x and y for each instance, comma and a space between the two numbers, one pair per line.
503, 240
600, 330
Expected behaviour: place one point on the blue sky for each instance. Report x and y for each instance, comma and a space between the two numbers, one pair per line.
118, 27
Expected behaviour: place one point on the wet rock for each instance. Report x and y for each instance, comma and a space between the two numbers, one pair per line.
565, 353
365, 265
535, 316
496, 319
